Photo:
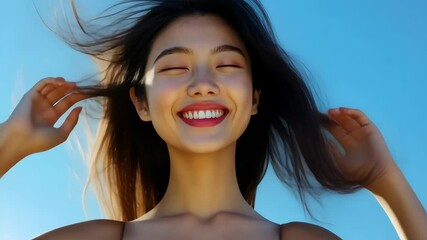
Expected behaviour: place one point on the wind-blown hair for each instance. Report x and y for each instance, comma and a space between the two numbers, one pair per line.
132, 160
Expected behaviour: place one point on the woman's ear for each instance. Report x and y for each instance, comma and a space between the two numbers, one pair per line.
140, 106
255, 101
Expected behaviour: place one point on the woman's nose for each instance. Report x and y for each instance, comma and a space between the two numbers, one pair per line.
203, 85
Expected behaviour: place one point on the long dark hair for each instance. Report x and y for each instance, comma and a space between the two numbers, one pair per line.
131, 157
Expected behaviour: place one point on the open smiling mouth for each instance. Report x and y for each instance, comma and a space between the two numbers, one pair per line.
203, 118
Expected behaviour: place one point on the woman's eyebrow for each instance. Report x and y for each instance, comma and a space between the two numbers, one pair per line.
173, 50
227, 48
184, 50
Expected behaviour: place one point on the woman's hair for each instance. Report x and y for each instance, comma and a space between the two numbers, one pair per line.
132, 161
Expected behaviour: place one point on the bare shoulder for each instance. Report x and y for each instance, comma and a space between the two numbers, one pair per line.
300, 231
95, 229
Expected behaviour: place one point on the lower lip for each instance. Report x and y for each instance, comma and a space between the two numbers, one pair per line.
207, 122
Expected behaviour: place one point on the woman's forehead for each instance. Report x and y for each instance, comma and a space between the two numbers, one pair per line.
198, 32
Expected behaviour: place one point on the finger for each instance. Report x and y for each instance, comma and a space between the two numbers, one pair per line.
336, 130
348, 123
48, 89
357, 115
332, 126
51, 93
41, 87
55, 136
48, 81
328, 123
341, 135
62, 106
60, 92
68, 101
69, 124
47, 114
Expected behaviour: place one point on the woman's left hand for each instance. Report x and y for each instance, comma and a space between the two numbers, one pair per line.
366, 160
366, 157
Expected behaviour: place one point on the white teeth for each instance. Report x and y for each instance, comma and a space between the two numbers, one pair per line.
203, 114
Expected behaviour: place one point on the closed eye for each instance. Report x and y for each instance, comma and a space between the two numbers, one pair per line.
173, 68
229, 65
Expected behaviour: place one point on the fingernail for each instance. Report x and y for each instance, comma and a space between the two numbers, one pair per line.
59, 81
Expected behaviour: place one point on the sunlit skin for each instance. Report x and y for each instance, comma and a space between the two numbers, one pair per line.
200, 59
209, 63
208, 72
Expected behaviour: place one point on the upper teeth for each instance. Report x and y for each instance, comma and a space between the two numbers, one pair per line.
203, 114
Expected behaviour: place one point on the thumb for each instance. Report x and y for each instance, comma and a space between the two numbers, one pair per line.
70, 122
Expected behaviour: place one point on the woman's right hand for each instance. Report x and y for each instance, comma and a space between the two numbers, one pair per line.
30, 127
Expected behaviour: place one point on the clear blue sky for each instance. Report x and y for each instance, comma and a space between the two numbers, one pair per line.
364, 54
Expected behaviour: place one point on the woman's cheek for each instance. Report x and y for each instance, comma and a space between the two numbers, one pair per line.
162, 94
238, 82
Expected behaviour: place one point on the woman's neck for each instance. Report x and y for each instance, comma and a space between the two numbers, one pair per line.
202, 185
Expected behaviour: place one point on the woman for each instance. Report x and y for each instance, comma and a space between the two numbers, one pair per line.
217, 97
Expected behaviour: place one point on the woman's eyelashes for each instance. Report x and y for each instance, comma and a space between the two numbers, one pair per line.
176, 70
229, 66
173, 68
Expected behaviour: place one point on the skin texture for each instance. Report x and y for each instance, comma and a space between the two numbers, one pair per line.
33, 119
202, 158
366, 155
203, 200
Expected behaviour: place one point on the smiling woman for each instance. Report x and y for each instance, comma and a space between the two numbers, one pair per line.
210, 73
198, 98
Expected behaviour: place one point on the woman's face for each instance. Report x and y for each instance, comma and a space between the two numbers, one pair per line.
198, 85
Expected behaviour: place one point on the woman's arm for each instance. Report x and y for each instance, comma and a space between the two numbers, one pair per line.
367, 160
30, 128
300, 230
402, 206
90, 230
9, 149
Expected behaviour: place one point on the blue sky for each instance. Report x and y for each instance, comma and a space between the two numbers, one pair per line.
370, 55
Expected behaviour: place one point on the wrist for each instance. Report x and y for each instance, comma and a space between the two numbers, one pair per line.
10, 143
387, 182
401, 204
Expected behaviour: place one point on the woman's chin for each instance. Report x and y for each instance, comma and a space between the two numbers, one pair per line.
203, 147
